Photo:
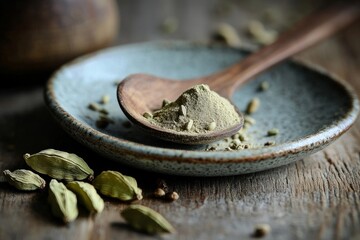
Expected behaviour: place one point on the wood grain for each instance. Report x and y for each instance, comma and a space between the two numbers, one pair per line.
315, 198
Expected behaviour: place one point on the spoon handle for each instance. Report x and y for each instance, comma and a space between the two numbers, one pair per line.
306, 33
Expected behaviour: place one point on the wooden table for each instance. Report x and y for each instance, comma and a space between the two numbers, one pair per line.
315, 198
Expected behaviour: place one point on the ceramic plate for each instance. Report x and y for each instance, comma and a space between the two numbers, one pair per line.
310, 108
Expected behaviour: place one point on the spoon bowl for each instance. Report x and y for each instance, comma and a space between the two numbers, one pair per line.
140, 93
136, 96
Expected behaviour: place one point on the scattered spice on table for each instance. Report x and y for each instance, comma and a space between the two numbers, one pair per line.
253, 105
261, 34
273, 132
227, 34
261, 230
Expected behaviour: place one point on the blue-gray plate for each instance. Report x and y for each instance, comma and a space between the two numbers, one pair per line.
309, 107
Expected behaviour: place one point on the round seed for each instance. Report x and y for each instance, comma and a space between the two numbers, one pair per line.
242, 137
260, 33
147, 115
262, 230
273, 132
189, 124
94, 106
105, 99
228, 34
253, 106
249, 120
211, 126
236, 141
264, 86
159, 192
173, 196
183, 110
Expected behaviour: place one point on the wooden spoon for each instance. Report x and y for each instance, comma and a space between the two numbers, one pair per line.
140, 93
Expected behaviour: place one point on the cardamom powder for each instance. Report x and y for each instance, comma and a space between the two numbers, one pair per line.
200, 106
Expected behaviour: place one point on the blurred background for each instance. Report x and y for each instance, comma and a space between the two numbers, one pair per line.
38, 36
198, 20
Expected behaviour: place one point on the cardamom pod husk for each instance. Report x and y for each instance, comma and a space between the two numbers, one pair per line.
24, 179
145, 219
63, 202
87, 195
117, 185
59, 165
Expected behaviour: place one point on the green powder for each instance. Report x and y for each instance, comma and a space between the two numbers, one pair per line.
197, 110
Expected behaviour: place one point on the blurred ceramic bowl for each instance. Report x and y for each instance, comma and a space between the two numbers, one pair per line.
40, 35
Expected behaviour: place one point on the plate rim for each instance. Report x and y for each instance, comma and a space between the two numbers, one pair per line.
311, 141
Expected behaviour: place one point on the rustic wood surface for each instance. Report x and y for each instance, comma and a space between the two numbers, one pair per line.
315, 198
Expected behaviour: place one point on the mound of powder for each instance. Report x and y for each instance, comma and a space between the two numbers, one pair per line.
197, 110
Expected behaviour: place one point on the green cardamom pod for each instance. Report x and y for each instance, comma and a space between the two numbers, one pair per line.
59, 165
145, 219
63, 202
87, 195
24, 179
116, 185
